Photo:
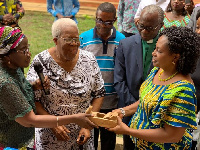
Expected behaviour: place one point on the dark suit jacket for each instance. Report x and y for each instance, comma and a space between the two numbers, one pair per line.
128, 71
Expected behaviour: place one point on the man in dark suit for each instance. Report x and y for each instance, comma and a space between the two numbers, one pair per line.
133, 59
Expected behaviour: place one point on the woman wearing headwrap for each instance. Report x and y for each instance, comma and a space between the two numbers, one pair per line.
17, 108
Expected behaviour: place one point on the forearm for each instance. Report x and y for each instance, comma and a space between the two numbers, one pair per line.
44, 121
131, 109
97, 103
159, 135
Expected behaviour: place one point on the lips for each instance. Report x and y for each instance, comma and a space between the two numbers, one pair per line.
154, 60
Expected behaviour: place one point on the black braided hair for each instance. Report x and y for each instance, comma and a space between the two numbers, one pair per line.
183, 41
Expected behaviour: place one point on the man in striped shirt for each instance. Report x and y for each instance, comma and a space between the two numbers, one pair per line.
102, 41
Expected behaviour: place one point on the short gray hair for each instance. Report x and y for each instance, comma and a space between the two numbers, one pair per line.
59, 25
150, 9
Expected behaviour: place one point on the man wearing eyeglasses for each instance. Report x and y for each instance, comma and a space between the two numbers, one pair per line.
133, 59
101, 41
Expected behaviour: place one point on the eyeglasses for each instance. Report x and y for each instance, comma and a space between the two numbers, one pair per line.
150, 29
70, 40
106, 23
25, 51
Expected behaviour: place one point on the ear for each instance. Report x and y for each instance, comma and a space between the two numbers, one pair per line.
6, 59
176, 57
55, 40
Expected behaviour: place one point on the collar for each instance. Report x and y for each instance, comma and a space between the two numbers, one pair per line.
154, 40
113, 35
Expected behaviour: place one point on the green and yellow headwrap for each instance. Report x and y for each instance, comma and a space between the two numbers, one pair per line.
10, 38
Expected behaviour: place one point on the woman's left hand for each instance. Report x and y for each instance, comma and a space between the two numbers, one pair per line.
85, 133
121, 127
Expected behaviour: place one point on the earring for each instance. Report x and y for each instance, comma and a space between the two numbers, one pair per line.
8, 62
173, 63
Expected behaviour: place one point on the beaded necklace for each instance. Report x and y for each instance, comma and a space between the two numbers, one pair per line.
170, 77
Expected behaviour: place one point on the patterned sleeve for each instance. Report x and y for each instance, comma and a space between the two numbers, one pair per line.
98, 84
178, 106
13, 102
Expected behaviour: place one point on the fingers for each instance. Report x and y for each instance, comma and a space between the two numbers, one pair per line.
60, 133
46, 82
81, 139
65, 129
89, 115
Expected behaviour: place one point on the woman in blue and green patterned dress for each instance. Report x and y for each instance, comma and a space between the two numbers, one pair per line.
165, 111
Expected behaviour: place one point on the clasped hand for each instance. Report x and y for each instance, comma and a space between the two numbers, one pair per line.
38, 86
121, 127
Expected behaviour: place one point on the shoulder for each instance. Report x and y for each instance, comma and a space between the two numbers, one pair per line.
132, 39
182, 86
86, 55
42, 55
87, 33
119, 36
5, 80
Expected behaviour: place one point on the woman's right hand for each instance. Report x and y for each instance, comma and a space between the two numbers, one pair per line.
82, 120
61, 133
119, 112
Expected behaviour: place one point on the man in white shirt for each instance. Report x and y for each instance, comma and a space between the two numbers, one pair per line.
162, 3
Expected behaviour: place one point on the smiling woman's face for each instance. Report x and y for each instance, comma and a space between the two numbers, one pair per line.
68, 43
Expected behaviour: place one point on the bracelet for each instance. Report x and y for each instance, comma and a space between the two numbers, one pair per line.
122, 111
57, 120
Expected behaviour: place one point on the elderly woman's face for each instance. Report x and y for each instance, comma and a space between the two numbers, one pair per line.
177, 4
21, 56
68, 43
161, 56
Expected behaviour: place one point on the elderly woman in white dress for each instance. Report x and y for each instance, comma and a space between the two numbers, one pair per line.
75, 83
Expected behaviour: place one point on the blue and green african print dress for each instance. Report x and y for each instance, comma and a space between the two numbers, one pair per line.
173, 104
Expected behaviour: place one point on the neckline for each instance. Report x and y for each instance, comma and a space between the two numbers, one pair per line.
62, 69
174, 20
183, 80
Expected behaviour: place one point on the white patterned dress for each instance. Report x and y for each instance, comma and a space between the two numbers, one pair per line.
70, 93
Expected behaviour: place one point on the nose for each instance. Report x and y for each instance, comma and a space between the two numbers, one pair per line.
154, 53
28, 54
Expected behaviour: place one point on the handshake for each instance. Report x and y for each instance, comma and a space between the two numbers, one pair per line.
108, 120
